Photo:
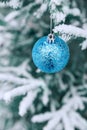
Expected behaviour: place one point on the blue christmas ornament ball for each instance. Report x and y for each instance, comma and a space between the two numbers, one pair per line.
50, 54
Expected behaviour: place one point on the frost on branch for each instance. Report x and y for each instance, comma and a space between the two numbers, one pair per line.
12, 3
22, 90
66, 116
27, 85
69, 32
84, 45
59, 16
40, 11
27, 102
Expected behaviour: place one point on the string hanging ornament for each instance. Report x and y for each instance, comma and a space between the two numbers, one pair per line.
50, 53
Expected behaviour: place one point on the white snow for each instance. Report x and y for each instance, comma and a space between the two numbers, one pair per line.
67, 114
11, 16
67, 32
84, 45
70, 30
40, 11
32, 84
11, 3
26, 103
14, 3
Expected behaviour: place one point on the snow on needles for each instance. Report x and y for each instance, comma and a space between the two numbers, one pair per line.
22, 90
72, 31
27, 102
12, 3
67, 115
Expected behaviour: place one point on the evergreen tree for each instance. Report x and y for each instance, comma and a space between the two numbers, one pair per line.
29, 98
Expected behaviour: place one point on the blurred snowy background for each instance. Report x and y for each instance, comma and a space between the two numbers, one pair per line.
30, 99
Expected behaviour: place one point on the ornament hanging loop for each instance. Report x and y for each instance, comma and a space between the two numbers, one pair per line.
51, 35
51, 24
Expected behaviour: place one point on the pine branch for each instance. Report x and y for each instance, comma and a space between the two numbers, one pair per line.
26, 103
21, 70
67, 123
30, 85
52, 123
11, 3
77, 120
63, 114
12, 79
84, 45
69, 32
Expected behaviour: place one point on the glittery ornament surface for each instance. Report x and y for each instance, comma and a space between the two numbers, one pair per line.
50, 57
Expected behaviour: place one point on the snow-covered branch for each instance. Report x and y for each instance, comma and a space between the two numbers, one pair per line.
21, 70
32, 84
27, 101
13, 79
66, 114
12, 3
68, 32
